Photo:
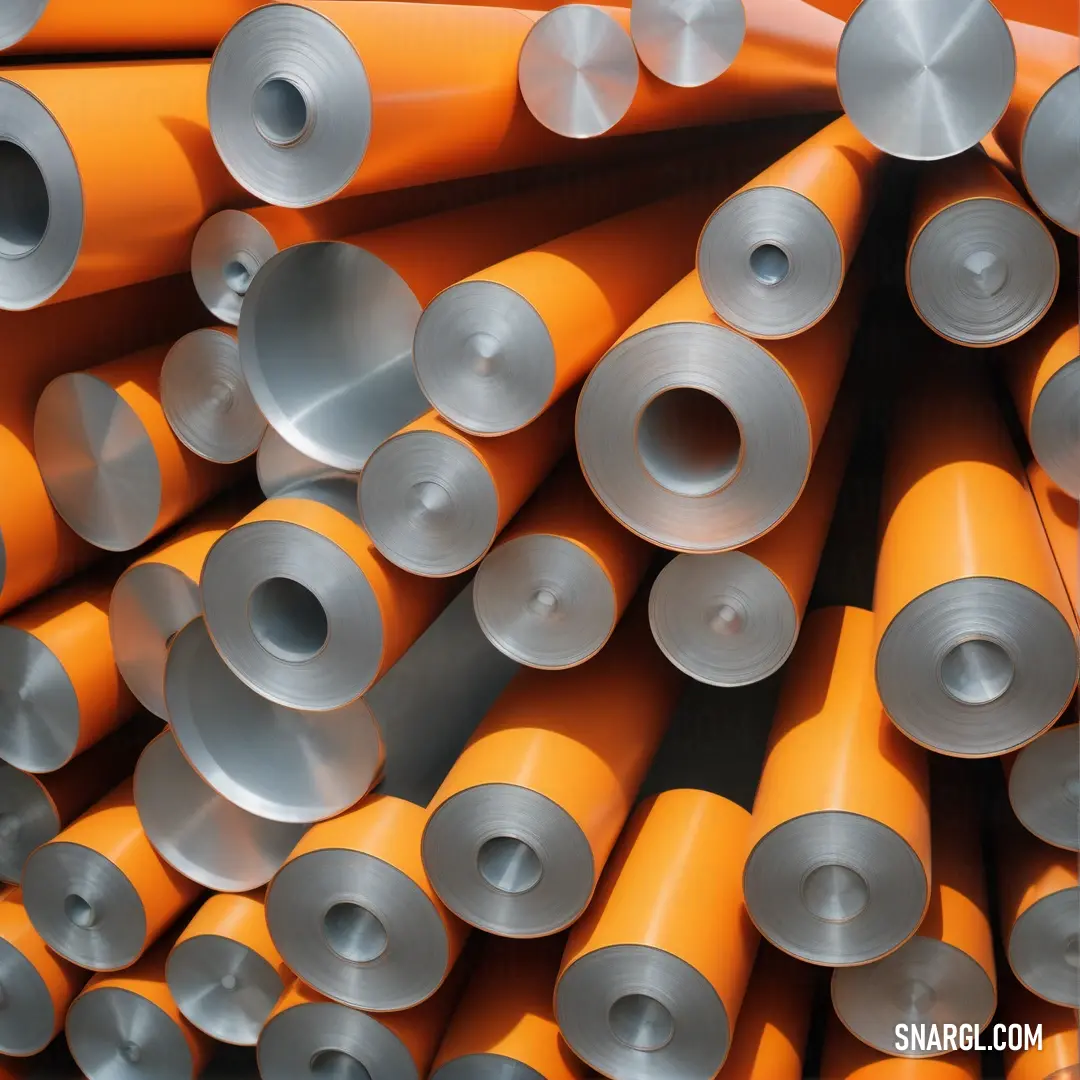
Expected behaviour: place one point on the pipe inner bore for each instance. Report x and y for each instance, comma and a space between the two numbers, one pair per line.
287, 619
509, 865
689, 441
79, 911
337, 1065
769, 264
976, 672
641, 1022
728, 619
237, 275
834, 893
983, 274
354, 933
24, 202
543, 602
228, 982
280, 110
131, 1052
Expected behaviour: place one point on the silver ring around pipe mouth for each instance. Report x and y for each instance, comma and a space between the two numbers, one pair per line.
324, 1041
277, 763
770, 262
1044, 947
925, 81
28, 1015
228, 251
199, 832
222, 987
282, 471
41, 212
345, 319
484, 358
17, 19
115, 1033
1049, 155
983, 271
39, 710
926, 982
725, 620
1055, 430
150, 602
691, 508
976, 667
544, 601
28, 819
688, 42
835, 888
357, 929
290, 105
1044, 787
429, 503
508, 860
638, 1011
206, 399
84, 906
578, 71
485, 1067
98, 462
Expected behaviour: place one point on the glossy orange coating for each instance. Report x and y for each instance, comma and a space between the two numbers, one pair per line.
1060, 1041
1060, 15
846, 1058
62, 979
149, 172
1060, 514
992, 148
583, 737
112, 828
73, 624
506, 1010
833, 748
674, 883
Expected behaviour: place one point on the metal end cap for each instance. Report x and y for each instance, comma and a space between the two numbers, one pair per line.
1044, 787
693, 437
1044, 947
227, 252
508, 860
484, 358
290, 105
346, 320
277, 763
638, 1012
1050, 155
578, 71
1055, 432
28, 819
687, 42
925, 81
976, 667
17, 19
27, 1013
835, 888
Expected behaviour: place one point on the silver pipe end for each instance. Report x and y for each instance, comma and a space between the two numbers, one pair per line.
925, 81
484, 358
693, 437
688, 44
925, 982
17, 19
1044, 947
206, 399
84, 906
28, 819
637, 1011
485, 1067
544, 601
115, 1034
39, 710
284, 471
224, 988
770, 262
273, 762
508, 860
326, 337
429, 504
725, 620
27, 1013
1044, 787
578, 71
41, 213
290, 105
976, 667
809, 882
227, 253
1050, 156
1054, 433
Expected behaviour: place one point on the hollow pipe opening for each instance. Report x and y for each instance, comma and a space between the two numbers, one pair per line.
641, 1022
769, 264
24, 201
354, 933
509, 865
976, 671
834, 893
281, 112
79, 911
288, 619
337, 1065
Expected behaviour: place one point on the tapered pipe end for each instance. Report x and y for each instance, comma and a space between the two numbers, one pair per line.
1044, 787
1054, 431
1044, 947
28, 819
228, 251
1050, 154
688, 42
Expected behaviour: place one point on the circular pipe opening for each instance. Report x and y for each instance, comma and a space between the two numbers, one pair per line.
509, 865
24, 202
689, 441
228, 982
976, 672
287, 619
769, 264
354, 933
281, 111
543, 603
237, 275
79, 911
983, 274
834, 893
337, 1065
641, 1022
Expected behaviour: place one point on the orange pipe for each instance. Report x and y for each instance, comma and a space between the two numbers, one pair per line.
845, 1058
1060, 15
506, 1011
992, 148
146, 165
1060, 516
1060, 1042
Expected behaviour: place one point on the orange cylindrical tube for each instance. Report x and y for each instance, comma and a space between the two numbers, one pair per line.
506, 1011
1060, 1049
845, 1058
1060, 516
836, 780
1057, 15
